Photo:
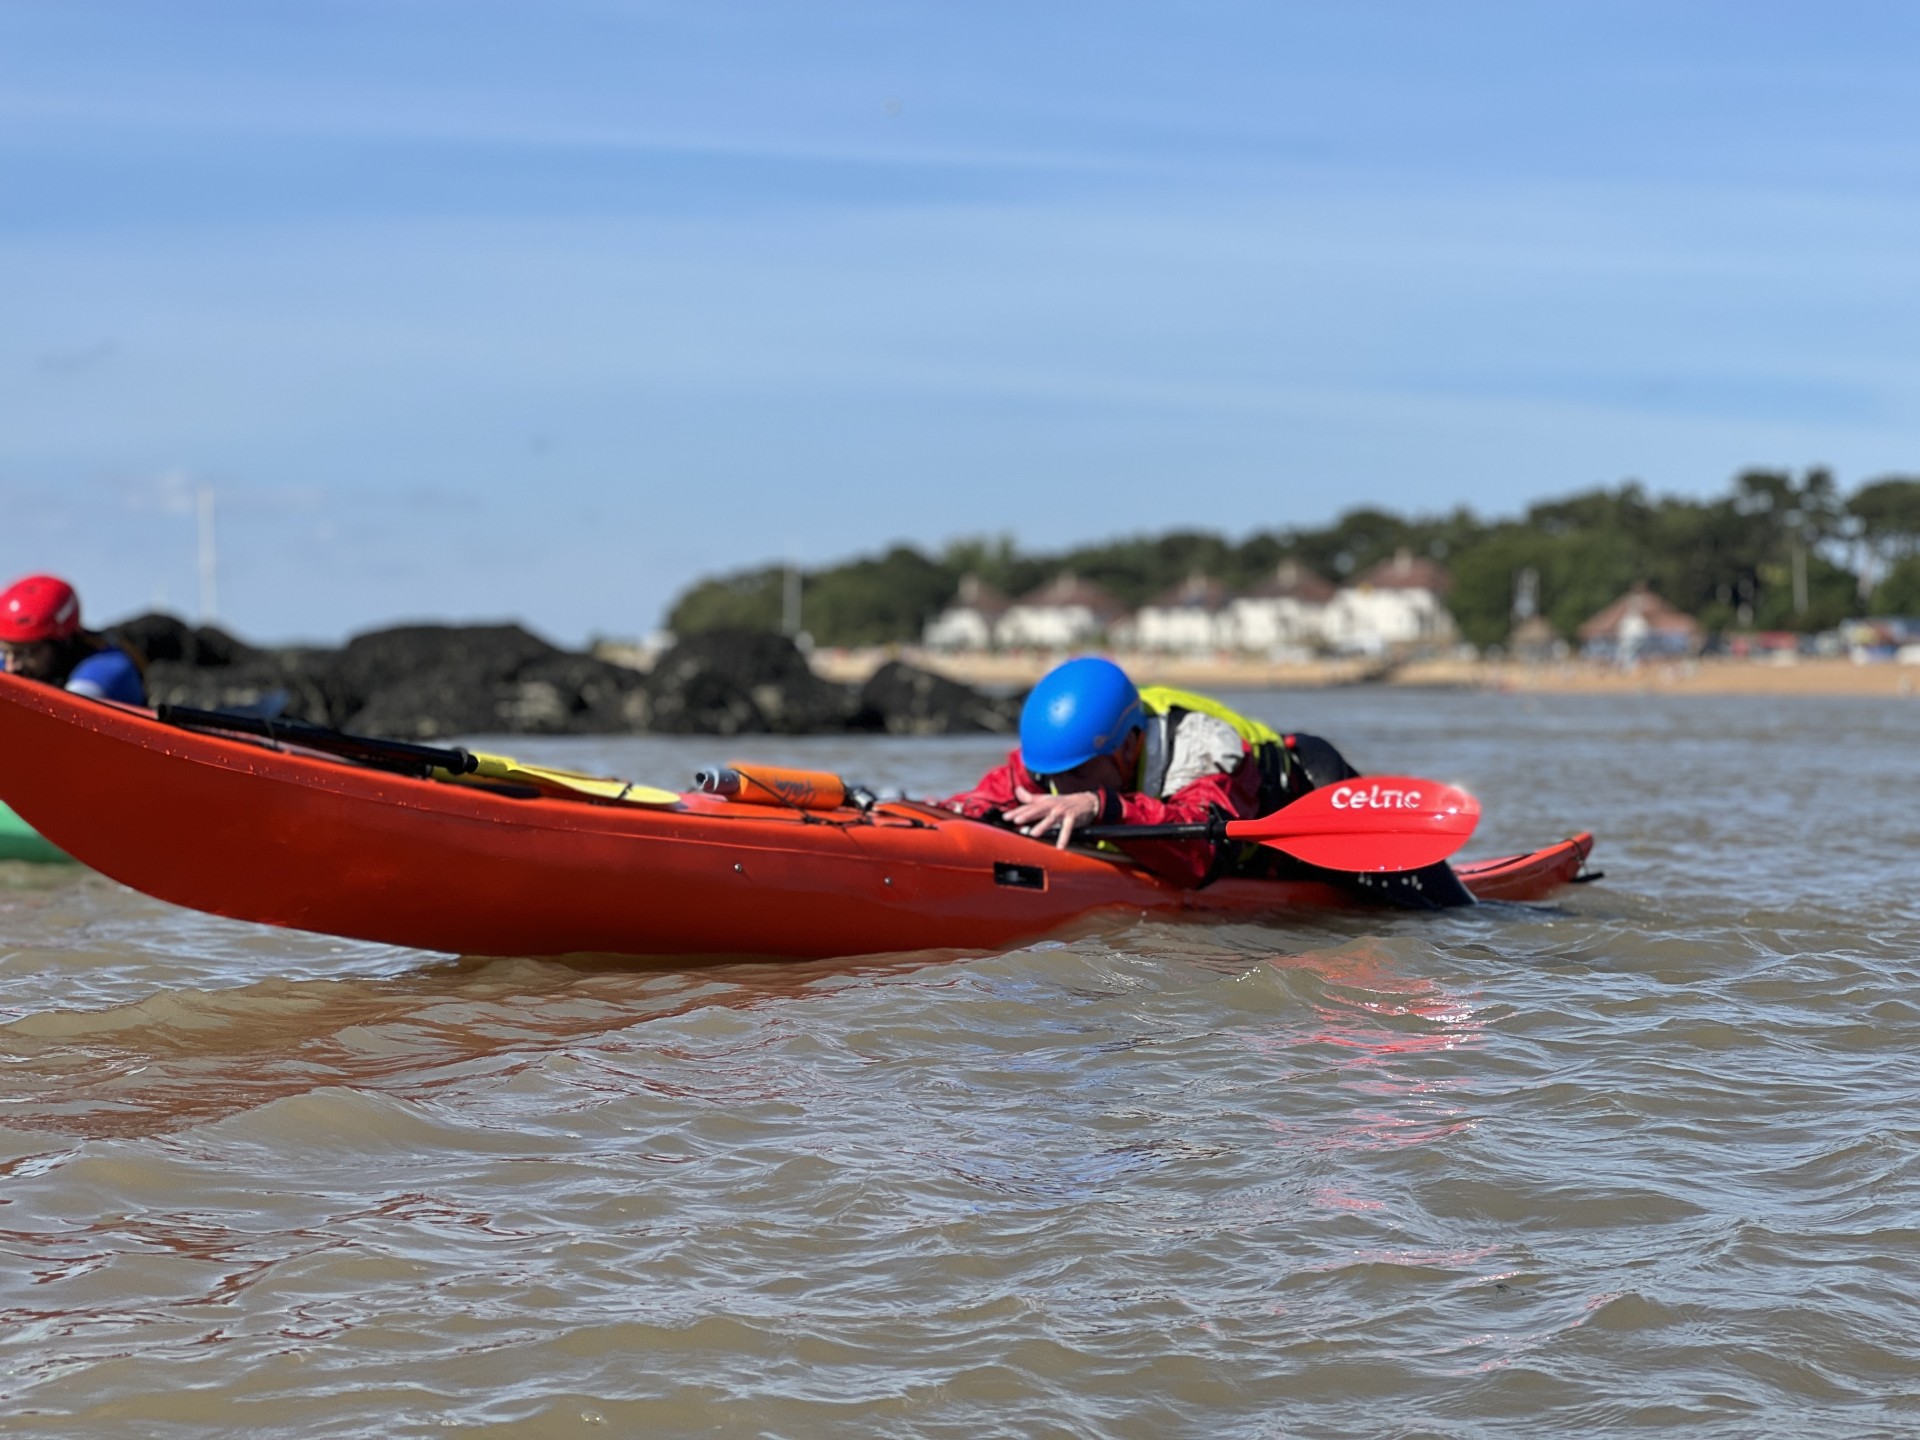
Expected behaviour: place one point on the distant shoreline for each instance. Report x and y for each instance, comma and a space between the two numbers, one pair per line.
1792, 675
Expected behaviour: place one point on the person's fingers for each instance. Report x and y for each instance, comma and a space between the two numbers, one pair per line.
1036, 819
1041, 813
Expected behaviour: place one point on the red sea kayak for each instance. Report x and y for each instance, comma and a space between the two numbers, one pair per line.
257, 831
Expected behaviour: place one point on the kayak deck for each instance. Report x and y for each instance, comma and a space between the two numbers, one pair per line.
264, 833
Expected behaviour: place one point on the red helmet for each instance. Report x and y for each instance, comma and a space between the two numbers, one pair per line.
40, 607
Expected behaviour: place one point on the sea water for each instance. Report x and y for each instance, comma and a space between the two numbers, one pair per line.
1643, 1159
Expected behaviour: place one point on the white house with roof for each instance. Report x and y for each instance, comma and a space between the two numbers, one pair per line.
1063, 613
967, 623
1186, 618
1639, 624
1399, 604
1285, 612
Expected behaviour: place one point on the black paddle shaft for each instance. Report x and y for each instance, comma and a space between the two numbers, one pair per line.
400, 755
1214, 829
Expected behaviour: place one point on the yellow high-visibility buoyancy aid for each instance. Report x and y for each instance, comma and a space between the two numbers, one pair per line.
1268, 747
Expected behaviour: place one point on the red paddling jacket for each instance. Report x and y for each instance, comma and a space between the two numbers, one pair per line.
1200, 758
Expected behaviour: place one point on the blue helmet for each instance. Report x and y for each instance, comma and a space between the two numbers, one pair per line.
1081, 709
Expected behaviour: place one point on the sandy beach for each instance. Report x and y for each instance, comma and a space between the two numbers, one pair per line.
1791, 675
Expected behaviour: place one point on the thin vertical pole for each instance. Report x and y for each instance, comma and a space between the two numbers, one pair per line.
209, 588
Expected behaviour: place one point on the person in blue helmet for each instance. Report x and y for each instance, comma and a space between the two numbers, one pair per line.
1096, 749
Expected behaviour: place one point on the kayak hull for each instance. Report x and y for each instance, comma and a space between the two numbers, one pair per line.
290, 838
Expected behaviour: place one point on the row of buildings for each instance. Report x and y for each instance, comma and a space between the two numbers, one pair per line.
1399, 604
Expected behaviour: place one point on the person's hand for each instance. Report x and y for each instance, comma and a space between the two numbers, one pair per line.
1037, 814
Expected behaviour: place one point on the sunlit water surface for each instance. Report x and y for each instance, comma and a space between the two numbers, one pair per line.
1645, 1159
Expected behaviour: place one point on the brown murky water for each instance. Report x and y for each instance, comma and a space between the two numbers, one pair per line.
1647, 1159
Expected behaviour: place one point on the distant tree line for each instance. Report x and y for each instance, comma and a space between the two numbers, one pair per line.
1780, 551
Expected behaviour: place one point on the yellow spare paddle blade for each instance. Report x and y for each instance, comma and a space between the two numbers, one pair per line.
505, 767
601, 787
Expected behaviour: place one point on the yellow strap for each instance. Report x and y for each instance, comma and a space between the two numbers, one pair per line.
1161, 698
505, 767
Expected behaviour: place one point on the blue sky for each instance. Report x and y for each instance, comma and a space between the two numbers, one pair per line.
477, 310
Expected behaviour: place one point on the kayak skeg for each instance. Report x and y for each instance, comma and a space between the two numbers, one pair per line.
276, 834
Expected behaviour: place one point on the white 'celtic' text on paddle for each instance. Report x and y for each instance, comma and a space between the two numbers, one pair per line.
1349, 798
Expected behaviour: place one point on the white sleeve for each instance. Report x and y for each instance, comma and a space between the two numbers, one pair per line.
1202, 745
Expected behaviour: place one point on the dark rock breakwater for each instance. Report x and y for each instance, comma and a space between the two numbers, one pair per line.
428, 682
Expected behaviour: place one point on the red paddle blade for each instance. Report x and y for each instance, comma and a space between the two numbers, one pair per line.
1383, 822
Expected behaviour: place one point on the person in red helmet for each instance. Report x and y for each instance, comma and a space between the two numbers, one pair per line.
41, 638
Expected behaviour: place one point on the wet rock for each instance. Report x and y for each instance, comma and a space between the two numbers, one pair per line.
597, 696
416, 682
739, 682
428, 682
166, 639
270, 684
436, 659
905, 700
560, 694
434, 682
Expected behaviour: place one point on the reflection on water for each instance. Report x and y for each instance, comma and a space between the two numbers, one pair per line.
1641, 1159
182, 1058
